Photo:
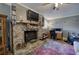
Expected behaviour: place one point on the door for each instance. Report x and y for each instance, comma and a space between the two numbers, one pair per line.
2, 34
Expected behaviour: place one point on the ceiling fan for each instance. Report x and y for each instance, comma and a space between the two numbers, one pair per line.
55, 6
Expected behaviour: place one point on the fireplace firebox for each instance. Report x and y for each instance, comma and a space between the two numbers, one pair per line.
30, 35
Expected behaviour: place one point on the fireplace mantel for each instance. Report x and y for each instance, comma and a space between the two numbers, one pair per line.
29, 22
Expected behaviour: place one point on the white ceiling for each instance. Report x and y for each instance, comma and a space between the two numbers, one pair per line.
65, 10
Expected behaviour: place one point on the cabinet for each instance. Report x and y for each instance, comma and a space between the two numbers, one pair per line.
59, 35
2, 34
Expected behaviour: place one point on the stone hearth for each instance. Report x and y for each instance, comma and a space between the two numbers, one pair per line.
30, 47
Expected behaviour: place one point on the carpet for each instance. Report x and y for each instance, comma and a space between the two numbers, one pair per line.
53, 47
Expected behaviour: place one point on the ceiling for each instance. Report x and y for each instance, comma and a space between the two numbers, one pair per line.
65, 10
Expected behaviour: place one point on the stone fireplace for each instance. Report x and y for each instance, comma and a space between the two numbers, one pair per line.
23, 31
23, 34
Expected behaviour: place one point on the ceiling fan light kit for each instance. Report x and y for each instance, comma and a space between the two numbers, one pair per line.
55, 5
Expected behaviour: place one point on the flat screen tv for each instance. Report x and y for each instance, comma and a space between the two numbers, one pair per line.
32, 16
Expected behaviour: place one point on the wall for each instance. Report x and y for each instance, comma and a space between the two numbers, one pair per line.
21, 13
68, 23
5, 10
18, 29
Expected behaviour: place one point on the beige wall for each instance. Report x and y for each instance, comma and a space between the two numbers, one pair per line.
21, 12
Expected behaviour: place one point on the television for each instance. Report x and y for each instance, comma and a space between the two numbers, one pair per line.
32, 16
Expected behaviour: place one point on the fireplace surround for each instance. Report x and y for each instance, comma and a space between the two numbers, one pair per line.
30, 35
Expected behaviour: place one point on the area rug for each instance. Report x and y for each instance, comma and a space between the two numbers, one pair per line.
54, 48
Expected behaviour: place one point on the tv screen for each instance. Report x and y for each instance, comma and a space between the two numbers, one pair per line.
32, 16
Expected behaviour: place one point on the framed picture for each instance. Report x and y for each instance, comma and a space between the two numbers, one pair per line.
32, 16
